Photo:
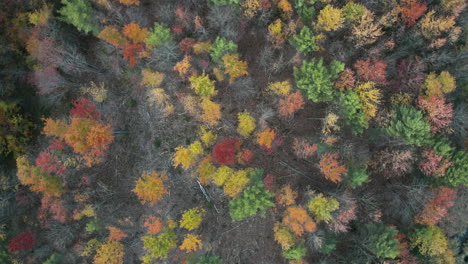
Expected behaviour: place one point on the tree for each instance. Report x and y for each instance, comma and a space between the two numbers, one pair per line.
191, 243
187, 157
246, 124
225, 151
280, 88
134, 32
432, 164
322, 207
211, 112
330, 18
305, 42
439, 85
151, 79
84, 108
186, 45
276, 34
255, 198
203, 86
411, 10
251, 8
356, 177
290, 105
221, 47
366, 31
160, 35
234, 67
369, 97
111, 252
303, 149
150, 187
439, 113
297, 219
23, 241
50, 164
112, 35
346, 79
429, 240
295, 253
352, 11
382, 240
15, 129
409, 124
372, 70
183, 66
283, 236
457, 173
80, 14
38, 180
153, 225
316, 80
130, 2
330, 167
437, 207
209, 259
265, 138
130, 53
158, 246
192, 219
286, 196
116, 233
432, 27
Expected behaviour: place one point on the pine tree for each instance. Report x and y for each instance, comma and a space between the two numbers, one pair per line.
80, 14
254, 199
305, 41
382, 240
409, 124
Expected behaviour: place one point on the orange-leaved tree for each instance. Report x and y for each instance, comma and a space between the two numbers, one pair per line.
87, 137
297, 219
265, 138
134, 32
293, 103
112, 35
191, 243
150, 187
330, 166
111, 252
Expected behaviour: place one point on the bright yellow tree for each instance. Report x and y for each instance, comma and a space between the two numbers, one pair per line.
211, 112
246, 124
280, 88
187, 156
191, 219
330, 18
235, 184
369, 97
234, 67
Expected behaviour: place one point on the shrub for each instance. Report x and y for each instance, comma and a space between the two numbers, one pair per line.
316, 80
255, 198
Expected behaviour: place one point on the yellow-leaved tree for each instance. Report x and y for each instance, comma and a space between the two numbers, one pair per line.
191, 219
330, 18
246, 124
151, 79
439, 85
432, 27
111, 252
211, 112
150, 187
283, 236
280, 88
207, 137
234, 66
369, 97
235, 184
187, 156
206, 170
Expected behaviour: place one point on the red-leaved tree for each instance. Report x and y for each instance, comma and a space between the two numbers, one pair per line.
84, 108
372, 70
130, 53
437, 207
225, 151
50, 164
23, 241
411, 10
432, 164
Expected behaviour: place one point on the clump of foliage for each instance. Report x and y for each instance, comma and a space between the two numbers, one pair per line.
305, 41
191, 219
160, 35
382, 240
80, 14
254, 199
409, 124
315, 79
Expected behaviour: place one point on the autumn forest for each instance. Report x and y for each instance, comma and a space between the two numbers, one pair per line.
233, 131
